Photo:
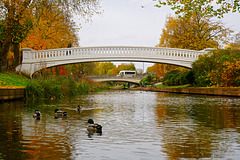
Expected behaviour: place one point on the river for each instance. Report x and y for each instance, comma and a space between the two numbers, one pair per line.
136, 125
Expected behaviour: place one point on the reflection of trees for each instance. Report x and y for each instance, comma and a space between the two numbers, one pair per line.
11, 130
48, 140
190, 125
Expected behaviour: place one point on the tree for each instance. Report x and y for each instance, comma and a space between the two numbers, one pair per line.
50, 30
17, 17
220, 68
161, 69
80, 69
124, 66
195, 33
237, 38
185, 8
16, 22
104, 68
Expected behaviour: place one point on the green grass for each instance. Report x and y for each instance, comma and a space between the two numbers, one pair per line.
13, 80
181, 86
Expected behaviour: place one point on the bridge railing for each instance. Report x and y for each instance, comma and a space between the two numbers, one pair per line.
112, 76
30, 55
115, 76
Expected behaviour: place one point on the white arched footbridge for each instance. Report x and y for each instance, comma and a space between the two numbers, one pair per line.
114, 78
33, 61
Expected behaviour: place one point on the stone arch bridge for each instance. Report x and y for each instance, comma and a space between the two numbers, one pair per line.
33, 61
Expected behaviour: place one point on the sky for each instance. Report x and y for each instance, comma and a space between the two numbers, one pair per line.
132, 23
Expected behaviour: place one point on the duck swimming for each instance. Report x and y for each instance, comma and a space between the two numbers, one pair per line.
94, 127
79, 108
36, 114
59, 113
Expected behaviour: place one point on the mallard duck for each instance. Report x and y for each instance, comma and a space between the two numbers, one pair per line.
79, 108
94, 127
37, 114
60, 113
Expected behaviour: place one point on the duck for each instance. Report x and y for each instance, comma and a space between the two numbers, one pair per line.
94, 127
79, 108
60, 113
37, 114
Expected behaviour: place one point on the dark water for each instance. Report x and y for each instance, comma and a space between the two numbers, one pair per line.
136, 125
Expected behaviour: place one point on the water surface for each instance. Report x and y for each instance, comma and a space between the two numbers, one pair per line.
136, 125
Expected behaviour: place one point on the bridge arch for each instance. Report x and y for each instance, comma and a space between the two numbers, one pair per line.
36, 60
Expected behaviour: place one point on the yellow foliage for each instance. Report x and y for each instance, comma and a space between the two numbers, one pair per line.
192, 33
227, 76
51, 30
235, 46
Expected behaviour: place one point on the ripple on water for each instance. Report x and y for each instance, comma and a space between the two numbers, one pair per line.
136, 125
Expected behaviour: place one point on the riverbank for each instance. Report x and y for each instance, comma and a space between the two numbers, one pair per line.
221, 91
11, 93
17, 93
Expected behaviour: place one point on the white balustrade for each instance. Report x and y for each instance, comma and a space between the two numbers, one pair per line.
147, 52
86, 54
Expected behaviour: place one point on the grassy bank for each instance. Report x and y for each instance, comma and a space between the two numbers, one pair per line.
12, 80
57, 87
165, 86
54, 87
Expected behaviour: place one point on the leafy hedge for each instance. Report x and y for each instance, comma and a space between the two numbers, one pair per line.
178, 77
220, 69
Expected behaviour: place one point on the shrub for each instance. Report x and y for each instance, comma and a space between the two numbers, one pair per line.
220, 68
58, 87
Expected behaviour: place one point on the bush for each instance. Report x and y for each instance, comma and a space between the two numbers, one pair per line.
220, 68
58, 87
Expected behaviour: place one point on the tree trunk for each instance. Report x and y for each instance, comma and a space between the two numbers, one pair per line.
16, 54
4, 51
6, 45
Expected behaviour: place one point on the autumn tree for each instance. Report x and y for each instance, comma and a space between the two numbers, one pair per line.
235, 45
80, 69
220, 68
104, 68
17, 18
124, 66
16, 22
195, 33
50, 30
202, 7
160, 69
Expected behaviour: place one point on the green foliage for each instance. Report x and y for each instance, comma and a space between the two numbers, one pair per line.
83, 88
203, 7
147, 79
2, 33
220, 68
178, 77
57, 87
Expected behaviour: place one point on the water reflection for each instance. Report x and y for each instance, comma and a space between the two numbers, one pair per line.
192, 127
136, 125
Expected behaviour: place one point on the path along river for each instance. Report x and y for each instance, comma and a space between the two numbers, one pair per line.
136, 125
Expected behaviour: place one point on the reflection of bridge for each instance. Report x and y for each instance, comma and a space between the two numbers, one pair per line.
115, 78
34, 61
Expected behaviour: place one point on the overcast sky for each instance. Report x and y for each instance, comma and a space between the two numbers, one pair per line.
132, 23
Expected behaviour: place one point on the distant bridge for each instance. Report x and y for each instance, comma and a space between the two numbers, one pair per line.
34, 61
115, 78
